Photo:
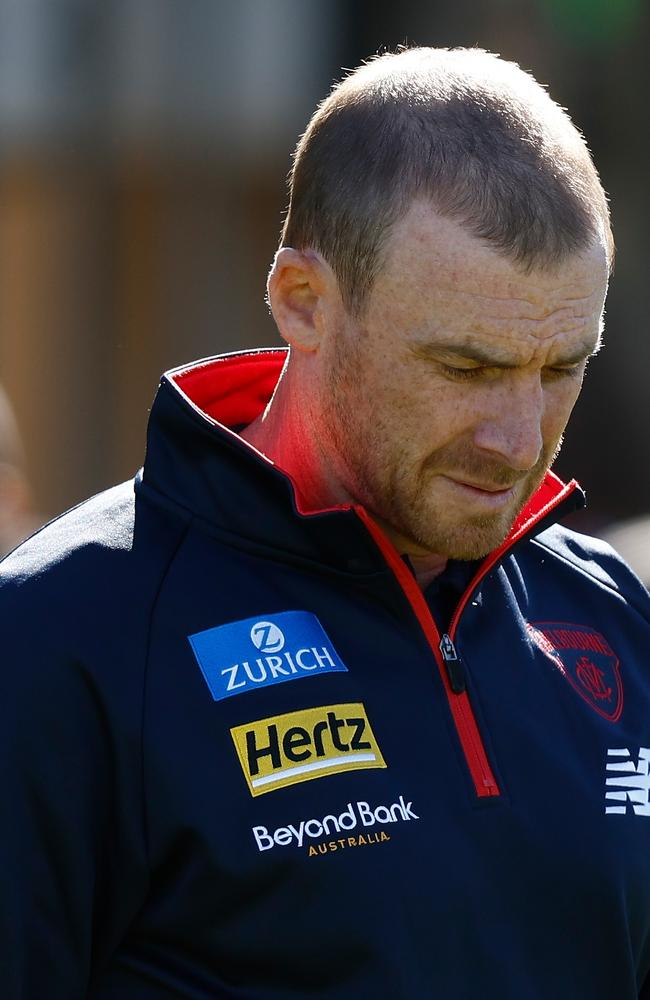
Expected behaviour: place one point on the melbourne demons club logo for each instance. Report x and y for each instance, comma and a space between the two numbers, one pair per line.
588, 662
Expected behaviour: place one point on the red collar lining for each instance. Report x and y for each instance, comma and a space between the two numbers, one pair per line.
233, 389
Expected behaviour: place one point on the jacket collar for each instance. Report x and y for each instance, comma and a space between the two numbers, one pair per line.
197, 461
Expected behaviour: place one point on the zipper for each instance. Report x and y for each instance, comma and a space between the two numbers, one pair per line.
450, 666
455, 671
447, 661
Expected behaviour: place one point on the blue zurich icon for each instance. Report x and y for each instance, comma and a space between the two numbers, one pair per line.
257, 652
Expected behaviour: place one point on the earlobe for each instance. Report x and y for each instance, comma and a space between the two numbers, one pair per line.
296, 288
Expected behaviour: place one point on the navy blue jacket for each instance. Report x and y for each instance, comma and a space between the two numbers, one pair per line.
241, 758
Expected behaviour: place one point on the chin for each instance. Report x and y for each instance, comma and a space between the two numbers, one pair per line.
472, 539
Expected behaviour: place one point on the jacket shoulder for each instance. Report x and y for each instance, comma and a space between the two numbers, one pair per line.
103, 522
597, 559
97, 561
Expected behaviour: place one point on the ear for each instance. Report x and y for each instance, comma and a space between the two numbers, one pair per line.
301, 289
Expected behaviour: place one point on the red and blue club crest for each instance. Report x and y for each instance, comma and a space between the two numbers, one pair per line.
588, 662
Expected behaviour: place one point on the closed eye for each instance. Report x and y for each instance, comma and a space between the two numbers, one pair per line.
466, 374
493, 371
575, 371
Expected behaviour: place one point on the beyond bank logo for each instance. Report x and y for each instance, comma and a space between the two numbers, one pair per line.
357, 815
257, 652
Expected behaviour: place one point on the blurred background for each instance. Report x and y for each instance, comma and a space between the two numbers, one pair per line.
144, 147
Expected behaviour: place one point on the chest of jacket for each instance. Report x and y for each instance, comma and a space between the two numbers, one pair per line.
302, 767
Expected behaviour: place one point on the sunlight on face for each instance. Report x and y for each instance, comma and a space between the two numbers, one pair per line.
448, 399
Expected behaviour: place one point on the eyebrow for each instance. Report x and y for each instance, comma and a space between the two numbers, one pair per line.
473, 352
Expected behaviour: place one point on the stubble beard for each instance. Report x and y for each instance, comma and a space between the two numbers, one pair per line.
442, 526
447, 530
410, 507
398, 494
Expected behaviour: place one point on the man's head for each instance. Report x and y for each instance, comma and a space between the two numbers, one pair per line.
442, 282
475, 135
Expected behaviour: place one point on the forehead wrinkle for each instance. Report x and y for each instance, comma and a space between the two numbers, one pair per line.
471, 348
534, 329
515, 308
480, 332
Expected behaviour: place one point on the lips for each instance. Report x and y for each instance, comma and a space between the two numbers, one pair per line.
483, 488
487, 495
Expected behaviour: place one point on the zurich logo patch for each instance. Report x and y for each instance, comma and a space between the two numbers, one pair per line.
258, 652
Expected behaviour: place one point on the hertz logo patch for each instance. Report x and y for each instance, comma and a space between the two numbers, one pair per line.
285, 749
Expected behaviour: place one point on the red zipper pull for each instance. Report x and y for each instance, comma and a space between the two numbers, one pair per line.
454, 665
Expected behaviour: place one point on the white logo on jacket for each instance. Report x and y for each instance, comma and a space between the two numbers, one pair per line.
357, 814
267, 637
628, 782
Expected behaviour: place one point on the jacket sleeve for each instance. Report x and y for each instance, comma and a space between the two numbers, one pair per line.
55, 782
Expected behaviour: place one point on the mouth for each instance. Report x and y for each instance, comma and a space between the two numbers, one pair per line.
488, 494
482, 488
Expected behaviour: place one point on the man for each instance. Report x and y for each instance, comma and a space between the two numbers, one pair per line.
329, 705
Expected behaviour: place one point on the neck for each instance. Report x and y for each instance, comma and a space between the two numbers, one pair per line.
427, 568
286, 434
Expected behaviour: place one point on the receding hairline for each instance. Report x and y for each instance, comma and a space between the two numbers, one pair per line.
430, 210
423, 89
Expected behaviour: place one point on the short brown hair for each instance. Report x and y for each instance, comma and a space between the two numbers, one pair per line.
473, 133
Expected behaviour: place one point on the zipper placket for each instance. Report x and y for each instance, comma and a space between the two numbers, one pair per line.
443, 647
462, 713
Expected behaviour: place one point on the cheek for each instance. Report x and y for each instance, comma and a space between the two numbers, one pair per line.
559, 403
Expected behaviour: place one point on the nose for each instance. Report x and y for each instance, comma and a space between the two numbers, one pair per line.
513, 430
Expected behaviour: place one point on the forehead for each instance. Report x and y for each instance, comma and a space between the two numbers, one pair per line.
438, 280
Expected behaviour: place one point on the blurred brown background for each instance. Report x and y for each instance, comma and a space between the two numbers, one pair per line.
144, 146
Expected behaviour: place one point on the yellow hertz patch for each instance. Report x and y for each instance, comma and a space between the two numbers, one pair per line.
285, 749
